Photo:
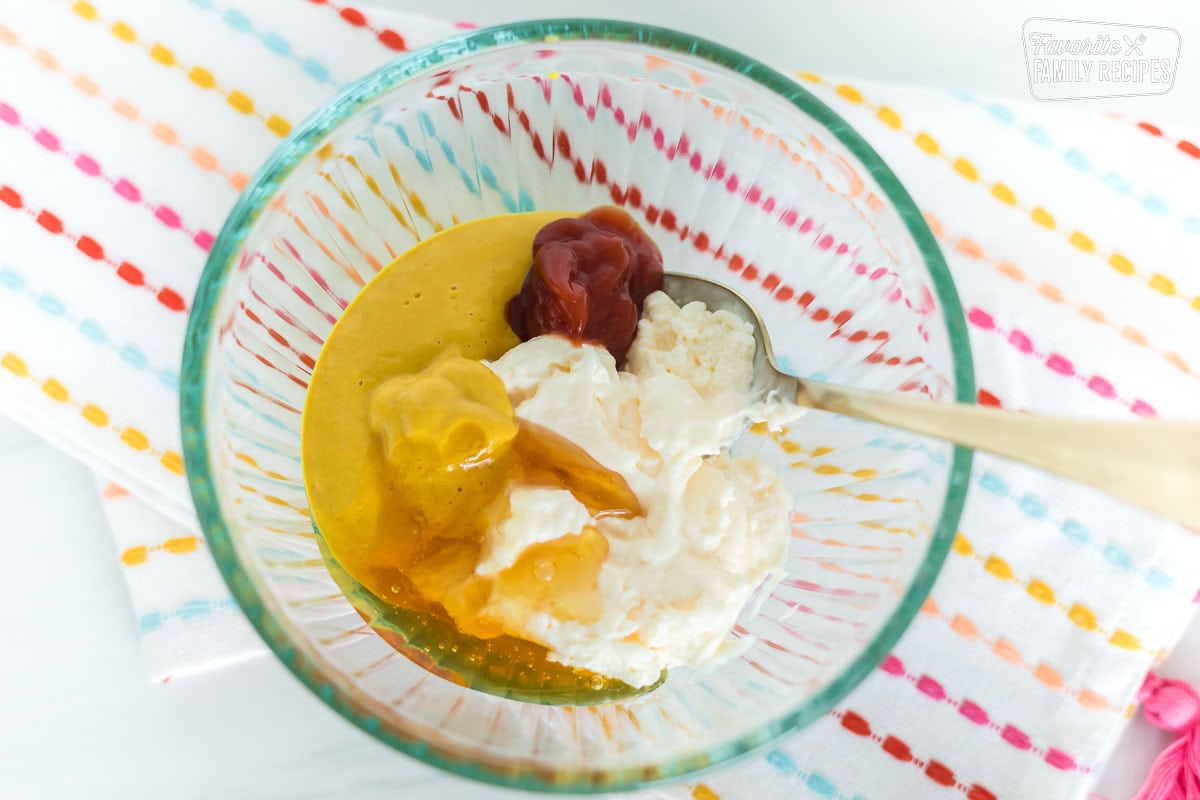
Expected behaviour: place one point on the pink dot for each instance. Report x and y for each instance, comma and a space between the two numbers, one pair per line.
695, 162
1020, 341
892, 666
894, 295
769, 205
731, 184
1101, 387
87, 165
684, 145
806, 226
127, 190
719, 171
619, 116
606, 99
931, 688
1016, 738
754, 195
47, 140
842, 249
789, 217
825, 242
204, 239
659, 139
1143, 409
878, 273
1060, 365
1057, 758
981, 319
9, 114
860, 269
167, 217
973, 712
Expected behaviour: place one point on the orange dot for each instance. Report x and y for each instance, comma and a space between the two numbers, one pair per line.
969, 248
126, 110
1051, 292
203, 158
964, 627
809, 76
1007, 651
46, 59
164, 133
8, 35
182, 544
1092, 313
1049, 676
1135, 336
1090, 699
86, 85
827, 469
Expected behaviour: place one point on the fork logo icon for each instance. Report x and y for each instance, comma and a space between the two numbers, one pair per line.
1133, 46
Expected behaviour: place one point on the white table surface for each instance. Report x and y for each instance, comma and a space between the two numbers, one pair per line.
78, 717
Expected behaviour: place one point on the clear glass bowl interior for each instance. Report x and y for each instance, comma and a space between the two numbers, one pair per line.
738, 174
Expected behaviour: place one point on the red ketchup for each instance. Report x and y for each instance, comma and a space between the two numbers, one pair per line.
589, 277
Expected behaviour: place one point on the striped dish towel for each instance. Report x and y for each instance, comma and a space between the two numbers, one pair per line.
128, 128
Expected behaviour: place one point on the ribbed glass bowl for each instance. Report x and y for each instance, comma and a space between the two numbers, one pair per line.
738, 174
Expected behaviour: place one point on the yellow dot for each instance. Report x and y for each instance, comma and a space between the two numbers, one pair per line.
240, 102
202, 78
134, 555
123, 32
1040, 591
1162, 284
14, 365
1082, 242
966, 169
962, 546
889, 117
1083, 617
172, 461
869, 498
278, 125
55, 391
864, 473
1042, 217
788, 446
827, 469
811, 77
1196, 302
553, 76
135, 439
850, 93
758, 428
822, 451
1003, 194
702, 792
926, 143
1125, 640
998, 567
1121, 264
94, 415
162, 55
85, 10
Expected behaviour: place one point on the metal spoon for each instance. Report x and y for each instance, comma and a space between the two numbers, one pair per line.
1153, 464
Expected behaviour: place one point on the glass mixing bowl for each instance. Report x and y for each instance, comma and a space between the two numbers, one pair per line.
738, 174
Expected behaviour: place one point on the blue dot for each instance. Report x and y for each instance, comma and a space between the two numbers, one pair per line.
92, 330
1032, 506
426, 123
1038, 136
781, 761
991, 482
1077, 160
1076, 531
276, 44
821, 785
1155, 205
202, 3
1001, 113
1116, 183
1192, 225
12, 280
1159, 579
150, 622
524, 201
1117, 556
236, 20
134, 357
51, 305
315, 69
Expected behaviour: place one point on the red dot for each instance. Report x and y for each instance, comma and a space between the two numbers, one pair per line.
843, 317
750, 272
307, 360
580, 172
874, 358
858, 336
701, 241
855, 724
482, 99
736, 263
821, 314
254, 317
651, 214
668, 220
635, 197
317, 2
784, 294
90, 248
897, 749
940, 773
770, 282
392, 40
130, 274
1189, 148
806, 299
171, 299
600, 171
563, 143
353, 16
9, 197
538, 147
1148, 128
979, 793
986, 398
277, 336
618, 197
893, 361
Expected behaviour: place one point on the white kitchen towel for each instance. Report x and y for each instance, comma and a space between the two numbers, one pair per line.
127, 129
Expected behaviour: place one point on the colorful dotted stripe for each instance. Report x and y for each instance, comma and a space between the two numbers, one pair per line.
1009, 653
1080, 615
631, 197
197, 75
127, 272
1056, 294
898, 749
816, 782
124, 188
275, 500
88, 328
1078, 161
700, 791
798, 532
1004, 194
139, 554
1057, 363
188, 612
131, 437
355, 18
715, 170
163, 133
272, 42
1075, 531
792, 447
971, 711
1188, 148
871, 497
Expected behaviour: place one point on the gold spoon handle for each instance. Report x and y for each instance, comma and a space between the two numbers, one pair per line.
1153, 464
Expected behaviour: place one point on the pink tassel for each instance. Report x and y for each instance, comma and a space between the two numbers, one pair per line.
1173, 706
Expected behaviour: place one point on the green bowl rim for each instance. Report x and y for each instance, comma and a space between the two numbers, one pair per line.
303, 140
